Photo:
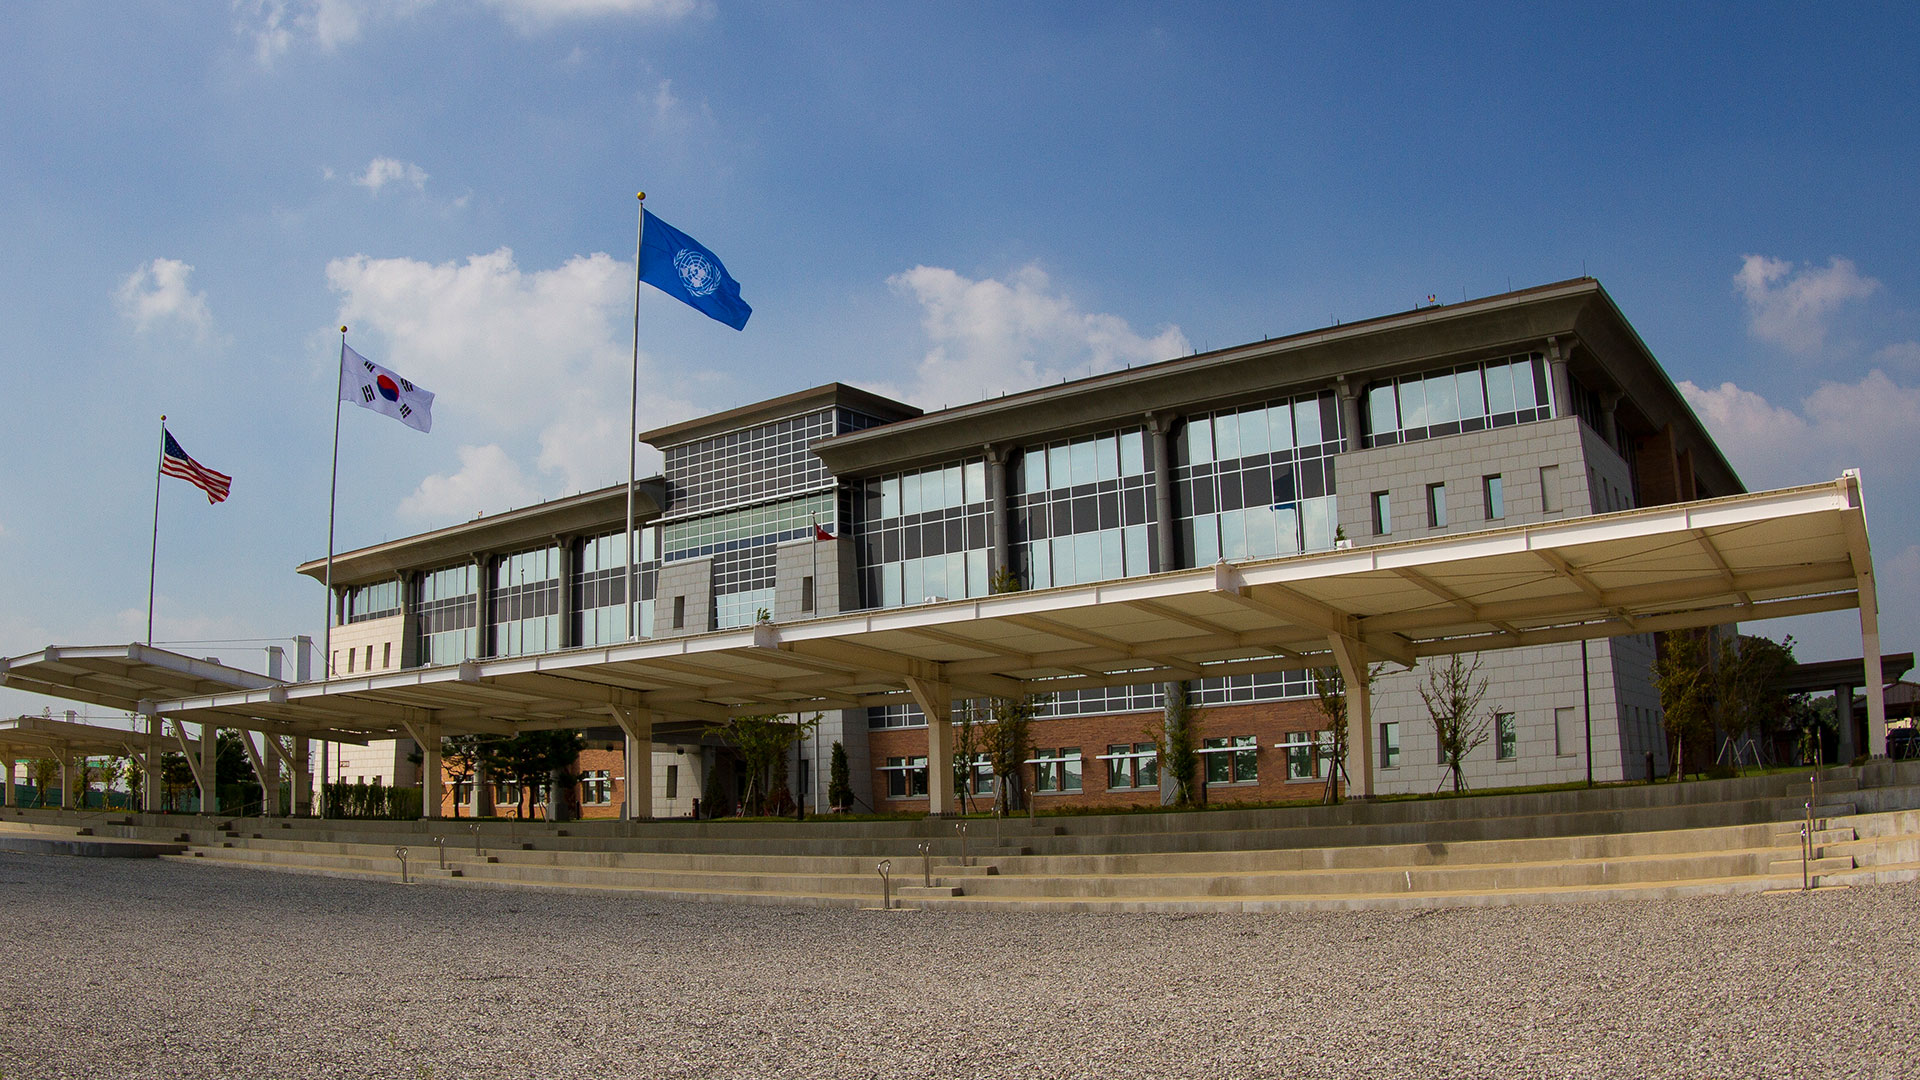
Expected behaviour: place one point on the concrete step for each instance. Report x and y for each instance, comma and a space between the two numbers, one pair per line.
1790, 834
922, 892
1825, 864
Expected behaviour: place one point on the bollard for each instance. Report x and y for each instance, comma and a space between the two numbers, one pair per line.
1649, 766
926, 864
886, 884
961, 828
401, 854
475, 830
441, 843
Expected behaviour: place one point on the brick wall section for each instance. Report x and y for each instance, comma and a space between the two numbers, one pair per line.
1269, 722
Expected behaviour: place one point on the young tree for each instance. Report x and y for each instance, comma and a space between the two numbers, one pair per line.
762, 743
44, 769
966, 746
468, 758
136, 781
1686, 687
1453, 693
1330, 690
840, 779
1752, 674
1176, 739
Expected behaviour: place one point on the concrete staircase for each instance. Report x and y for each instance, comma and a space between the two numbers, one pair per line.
1740, 835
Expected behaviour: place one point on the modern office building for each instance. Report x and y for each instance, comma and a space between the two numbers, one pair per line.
1530, 406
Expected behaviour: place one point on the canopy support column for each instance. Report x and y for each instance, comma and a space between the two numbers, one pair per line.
637, 723
1352, 657
302, 776
936, 701
208, 772
6, 794
152, 798
269, 778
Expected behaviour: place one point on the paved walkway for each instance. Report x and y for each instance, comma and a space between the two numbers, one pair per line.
147, 969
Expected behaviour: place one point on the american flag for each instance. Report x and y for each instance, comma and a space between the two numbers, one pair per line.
175, 462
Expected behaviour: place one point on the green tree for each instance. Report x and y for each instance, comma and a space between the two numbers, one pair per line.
1176, 739
1453, 693
762, 743
1330, 692
840, 779
44, 769
1686, 686
533, 758
469, 758
135, 778
1750, 684
1008, 743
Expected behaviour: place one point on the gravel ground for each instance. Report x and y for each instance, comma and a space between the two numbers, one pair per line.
150, 969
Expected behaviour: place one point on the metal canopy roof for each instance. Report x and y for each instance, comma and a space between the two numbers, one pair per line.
67, 737
1743, 557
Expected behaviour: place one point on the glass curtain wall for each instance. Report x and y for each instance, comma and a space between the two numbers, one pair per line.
1258, 481
734, 496
600, 587
1082, 510
1469, 397
922, 534
526, 602
376, 601
445, 600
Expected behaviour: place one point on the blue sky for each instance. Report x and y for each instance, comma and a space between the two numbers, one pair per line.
936, 201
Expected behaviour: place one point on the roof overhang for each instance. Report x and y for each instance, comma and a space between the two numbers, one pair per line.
67, 737
1744, 557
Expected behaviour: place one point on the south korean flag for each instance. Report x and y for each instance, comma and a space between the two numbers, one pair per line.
371, 386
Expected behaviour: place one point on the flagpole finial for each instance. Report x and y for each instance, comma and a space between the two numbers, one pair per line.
643, 196
343, 329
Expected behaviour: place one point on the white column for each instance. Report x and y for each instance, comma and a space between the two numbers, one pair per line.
302, 776
151, 795
1876, 678
1353, 668
66, 779
431, 774
209, 789
936, 701
637, 723
6, 794
1562, 379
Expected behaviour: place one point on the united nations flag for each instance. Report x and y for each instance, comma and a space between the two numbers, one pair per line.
682, 267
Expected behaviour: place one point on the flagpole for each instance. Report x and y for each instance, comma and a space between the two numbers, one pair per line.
633, 423
153, 557
333, 494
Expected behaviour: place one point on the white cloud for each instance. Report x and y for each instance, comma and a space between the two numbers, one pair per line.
990, 336
1838, 426
531, 15
520, 359
1790, 308
1902, 354
488, 481
276, 27
383, 171
157, 296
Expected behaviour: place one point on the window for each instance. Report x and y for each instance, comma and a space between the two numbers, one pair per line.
906, 777
673, 781
1057, 770
975, 778
1507, 735
1303, 756
806, 593
596, 788
1563, 733
350, 655
1382, 514
1549, 488
1390, 746
1232, 760
1436, 506
386, 655
679, 612
1132, 765
1496, 499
